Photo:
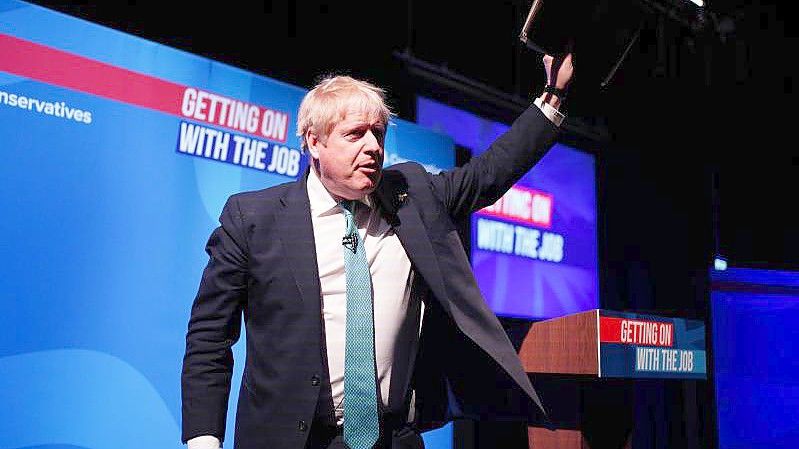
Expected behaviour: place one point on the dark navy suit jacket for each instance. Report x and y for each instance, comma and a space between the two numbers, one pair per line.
262, 266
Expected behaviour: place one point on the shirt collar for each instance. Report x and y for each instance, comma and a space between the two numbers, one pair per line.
322, 202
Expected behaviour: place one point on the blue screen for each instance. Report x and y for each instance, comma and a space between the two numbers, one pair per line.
755, 322
118, 156
534, 252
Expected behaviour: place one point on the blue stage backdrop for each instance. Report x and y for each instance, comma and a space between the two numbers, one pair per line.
119, 155
755, 323
534, 251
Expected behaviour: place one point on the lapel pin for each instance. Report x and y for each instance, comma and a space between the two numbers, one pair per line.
400, 199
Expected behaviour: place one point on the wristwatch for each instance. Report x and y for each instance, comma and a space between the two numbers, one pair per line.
561, 93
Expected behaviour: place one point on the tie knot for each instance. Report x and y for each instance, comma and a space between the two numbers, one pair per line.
348, 206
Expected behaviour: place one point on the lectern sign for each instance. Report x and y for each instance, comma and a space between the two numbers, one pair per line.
633, 345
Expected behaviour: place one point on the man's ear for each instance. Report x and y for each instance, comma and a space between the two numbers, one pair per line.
312, 140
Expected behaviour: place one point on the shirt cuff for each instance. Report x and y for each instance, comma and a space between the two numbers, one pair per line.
551, 113
204, 442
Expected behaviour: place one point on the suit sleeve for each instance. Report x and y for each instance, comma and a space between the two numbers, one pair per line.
487, 177
214, 327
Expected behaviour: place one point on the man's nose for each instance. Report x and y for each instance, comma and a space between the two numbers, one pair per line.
371, 143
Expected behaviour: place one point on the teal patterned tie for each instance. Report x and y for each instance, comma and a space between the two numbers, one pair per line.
361, 426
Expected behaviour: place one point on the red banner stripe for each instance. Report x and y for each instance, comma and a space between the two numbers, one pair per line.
60, 68
609, 330
48, 65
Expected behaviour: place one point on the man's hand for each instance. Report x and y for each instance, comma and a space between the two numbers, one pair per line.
564, 69
564, 73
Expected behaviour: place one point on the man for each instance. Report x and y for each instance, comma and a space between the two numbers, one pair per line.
364, 321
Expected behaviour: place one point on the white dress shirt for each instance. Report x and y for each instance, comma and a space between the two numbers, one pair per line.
390, 269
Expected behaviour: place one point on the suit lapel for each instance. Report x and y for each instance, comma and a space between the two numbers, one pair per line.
401, 212
296, 235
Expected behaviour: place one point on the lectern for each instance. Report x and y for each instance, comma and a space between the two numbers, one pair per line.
587, 363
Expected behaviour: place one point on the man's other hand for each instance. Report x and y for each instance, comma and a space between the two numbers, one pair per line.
204, 442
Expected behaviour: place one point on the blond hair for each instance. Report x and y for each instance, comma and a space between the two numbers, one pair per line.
328, 102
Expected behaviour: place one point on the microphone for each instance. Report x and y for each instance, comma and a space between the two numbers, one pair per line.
350, 242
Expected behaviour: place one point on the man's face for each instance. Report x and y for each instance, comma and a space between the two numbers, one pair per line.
350, 159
